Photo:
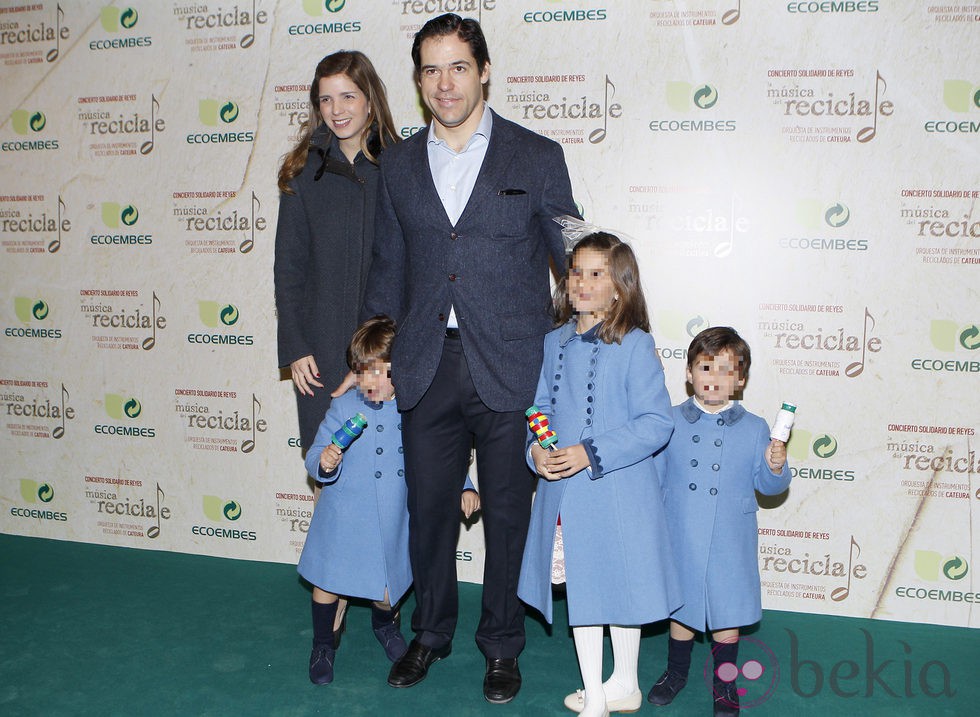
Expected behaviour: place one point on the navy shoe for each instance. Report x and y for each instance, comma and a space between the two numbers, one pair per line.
321, 664
666, 688
726, 699
390, 637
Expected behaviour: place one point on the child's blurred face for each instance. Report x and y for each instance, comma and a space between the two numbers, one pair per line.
374, 381
590, 285
715, 379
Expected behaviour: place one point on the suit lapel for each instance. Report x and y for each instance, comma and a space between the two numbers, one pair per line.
500, 153
429, 201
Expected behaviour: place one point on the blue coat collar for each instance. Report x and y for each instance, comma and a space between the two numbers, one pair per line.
567, 333
731, 416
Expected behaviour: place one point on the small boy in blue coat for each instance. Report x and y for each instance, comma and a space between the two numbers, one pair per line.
718, 456
357, 544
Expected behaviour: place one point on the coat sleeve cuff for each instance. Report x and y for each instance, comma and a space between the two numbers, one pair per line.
595, 463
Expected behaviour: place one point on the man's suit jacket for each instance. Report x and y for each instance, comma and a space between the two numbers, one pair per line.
492, 265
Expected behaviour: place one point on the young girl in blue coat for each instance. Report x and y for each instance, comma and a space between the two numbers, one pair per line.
719, 456
602, 388
357, 544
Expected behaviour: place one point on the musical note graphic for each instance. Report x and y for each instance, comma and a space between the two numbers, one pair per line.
249, 38
599, 134
150, 341
154, 530
55, 244
725, 248
730, 17
866, 134
248, 244
147, 146
56, 50
248, 445
856, 368
841, 593
59, 431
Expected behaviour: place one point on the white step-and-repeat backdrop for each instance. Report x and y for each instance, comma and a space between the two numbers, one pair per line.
804, 170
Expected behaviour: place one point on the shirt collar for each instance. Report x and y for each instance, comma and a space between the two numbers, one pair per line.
483, 129
731, 415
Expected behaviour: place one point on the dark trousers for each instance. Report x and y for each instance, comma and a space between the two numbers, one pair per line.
438, 434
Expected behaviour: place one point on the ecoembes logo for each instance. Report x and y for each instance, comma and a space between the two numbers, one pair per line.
113, 19
120, 216
815, 216
804, 445
29, 311
29, 123
336, 24
217, 113
220, 510
124, 409
948, 335
685, 97
678, 328
37, 493
930, 566
215, 315
961, 97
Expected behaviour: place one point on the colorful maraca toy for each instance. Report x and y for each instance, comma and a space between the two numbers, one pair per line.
351, 429
541, 429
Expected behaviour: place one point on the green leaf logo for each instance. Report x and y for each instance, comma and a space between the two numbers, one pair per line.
129, 215
37, 121
837, 215
132, 408
228, 112
232, 510
334, 5
970, 338
129, 18
825, 446
955, 568
958, 94
40, 310
229, 315
119, 407
705, 97
696, 325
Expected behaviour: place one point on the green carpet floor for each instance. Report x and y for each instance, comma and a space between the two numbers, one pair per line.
94, 630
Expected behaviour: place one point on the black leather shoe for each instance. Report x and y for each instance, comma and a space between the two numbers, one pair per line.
666, 688
412, 667
726, 699
502, 681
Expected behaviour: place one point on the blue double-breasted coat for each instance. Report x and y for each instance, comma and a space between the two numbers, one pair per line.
357, 544
710, 469
618, 565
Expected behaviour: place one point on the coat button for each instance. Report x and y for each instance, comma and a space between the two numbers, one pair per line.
713, 491
561, 356
452, 277
696, 439
715, 467
377, 474
557, 376
717, 441
442, 317
379, 428
720, 421
588, 421
379, 450
693, 486
694, 463
399, 426
589, 410
400, 449
401, 472
454, 236
554, 388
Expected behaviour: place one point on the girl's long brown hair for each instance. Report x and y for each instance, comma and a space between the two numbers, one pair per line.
629, 311
361, 72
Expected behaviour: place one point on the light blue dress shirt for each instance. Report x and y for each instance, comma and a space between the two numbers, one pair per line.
454, 173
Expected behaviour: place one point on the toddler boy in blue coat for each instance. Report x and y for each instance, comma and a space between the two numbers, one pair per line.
717, 458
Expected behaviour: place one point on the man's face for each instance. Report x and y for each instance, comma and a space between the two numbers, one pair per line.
451, 83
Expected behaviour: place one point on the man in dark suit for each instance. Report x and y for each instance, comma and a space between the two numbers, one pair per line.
464, 234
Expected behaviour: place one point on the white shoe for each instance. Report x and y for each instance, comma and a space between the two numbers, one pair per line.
631, 703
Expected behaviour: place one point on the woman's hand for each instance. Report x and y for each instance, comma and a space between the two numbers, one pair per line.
305, 374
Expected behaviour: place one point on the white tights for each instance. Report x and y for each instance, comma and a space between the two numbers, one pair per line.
623, 681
